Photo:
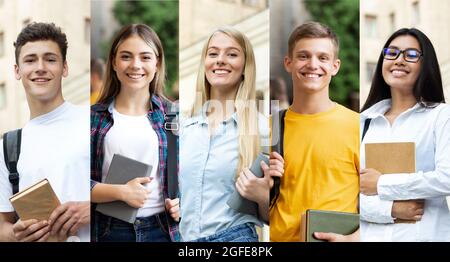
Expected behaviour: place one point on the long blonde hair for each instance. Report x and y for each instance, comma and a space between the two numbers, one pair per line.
245, 102
112, 85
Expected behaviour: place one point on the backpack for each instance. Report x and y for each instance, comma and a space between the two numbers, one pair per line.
171, 126
11, 153
277, 129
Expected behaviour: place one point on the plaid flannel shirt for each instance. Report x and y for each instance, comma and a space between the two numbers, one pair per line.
102, 121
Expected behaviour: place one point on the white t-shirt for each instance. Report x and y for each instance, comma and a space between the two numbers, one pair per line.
429, 129
134, 137
54, 146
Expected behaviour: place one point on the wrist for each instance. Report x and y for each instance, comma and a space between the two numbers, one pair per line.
119, 192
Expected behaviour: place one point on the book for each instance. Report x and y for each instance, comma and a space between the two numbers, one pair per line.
122, 170
35, 202
389, 158
328, 222
241, 204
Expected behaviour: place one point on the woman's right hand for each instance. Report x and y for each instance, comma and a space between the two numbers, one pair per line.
134, 193
408, 209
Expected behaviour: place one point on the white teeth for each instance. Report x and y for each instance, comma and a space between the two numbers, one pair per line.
40, 80
135, 76
399, 73
219, 71
311, 75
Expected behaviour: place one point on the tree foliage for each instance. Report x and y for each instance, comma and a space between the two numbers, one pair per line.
342, 16
161, 16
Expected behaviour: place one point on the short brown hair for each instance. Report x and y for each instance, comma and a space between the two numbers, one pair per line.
38, 32
312, 30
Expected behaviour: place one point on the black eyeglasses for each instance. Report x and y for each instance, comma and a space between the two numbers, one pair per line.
410, 54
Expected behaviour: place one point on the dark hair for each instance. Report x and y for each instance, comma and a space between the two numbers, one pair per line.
38, 32
312, 30
427, 90
111, 87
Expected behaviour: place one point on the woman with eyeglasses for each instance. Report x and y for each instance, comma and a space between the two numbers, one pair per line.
406, 104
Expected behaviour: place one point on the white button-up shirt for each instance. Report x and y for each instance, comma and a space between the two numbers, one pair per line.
429, 129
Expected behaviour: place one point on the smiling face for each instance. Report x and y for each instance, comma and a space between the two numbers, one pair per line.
135, 63
41, 68
224, 63
398, 73
312, 64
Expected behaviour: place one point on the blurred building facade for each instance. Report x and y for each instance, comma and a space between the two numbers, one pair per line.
285, 15
73, 16
379, 19
103, 25
197, 22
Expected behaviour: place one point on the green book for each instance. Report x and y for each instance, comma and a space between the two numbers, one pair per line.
327, 221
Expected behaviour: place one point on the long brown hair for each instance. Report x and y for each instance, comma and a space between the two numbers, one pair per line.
111, 87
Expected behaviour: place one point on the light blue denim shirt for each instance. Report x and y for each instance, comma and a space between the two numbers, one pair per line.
207, 177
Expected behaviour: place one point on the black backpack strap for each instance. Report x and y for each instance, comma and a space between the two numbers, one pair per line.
366, 127
172, 127
278, 146
11, 152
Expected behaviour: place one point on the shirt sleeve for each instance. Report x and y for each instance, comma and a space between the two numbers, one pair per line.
375, 210
93, 183
423, 185
5, 185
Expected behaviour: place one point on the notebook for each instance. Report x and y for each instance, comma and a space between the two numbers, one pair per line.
122, 170
327, 222
35, 202
241, 204
389, 158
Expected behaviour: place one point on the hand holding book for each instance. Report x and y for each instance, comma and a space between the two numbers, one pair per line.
67, 218
31, 230
134, 193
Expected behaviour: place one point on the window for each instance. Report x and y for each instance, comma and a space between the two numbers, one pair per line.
2, 95
415, 13
370, 26
2, 44
392, 22
87, 30
370, 70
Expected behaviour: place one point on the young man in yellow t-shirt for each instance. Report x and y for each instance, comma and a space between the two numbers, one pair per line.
321, 139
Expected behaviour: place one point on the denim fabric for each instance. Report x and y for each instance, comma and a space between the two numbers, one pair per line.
147, 229
241, 233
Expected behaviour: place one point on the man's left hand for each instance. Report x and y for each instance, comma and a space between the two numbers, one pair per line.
66, 219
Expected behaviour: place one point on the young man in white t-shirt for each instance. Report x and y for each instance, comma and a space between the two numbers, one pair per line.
55, 142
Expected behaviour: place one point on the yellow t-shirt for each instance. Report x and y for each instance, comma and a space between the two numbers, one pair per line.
94, 97
321, 154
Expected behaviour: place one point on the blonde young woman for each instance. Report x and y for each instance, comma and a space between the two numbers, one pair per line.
219, 141
129, 120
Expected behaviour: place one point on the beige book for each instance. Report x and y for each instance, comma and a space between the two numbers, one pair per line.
389, 158
35, 202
